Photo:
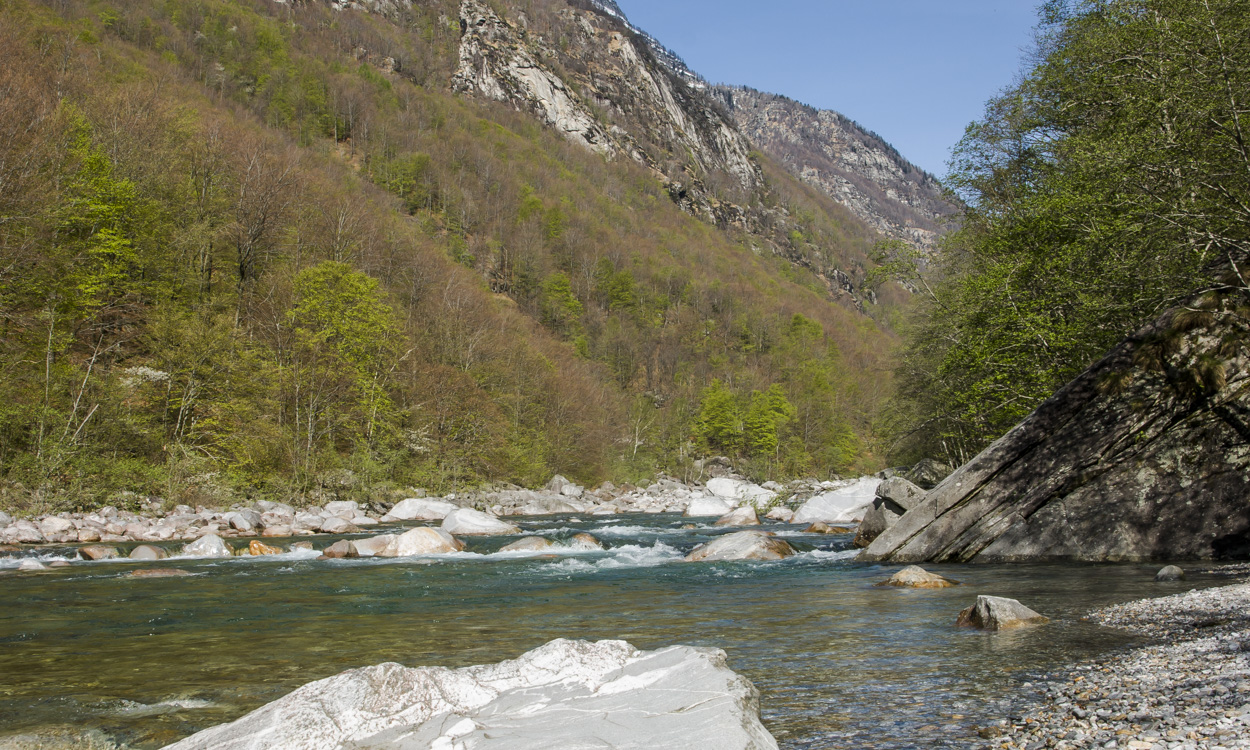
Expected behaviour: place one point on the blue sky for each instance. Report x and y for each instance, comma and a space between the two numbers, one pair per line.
914, 71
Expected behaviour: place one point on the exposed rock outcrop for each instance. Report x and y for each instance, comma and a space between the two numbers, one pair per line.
1145, 455
999, 613
742, 545
567, 694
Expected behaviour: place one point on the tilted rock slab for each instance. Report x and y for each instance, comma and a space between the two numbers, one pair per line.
999, 613
1145, 455
566, 694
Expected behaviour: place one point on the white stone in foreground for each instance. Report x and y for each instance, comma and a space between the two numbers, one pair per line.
846, 504
572, 695
420, 509
469, 522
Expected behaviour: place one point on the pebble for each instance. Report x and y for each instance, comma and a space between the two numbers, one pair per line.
1191, 691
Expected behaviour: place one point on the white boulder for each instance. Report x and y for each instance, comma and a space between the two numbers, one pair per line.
780, 513
346, 508
572, 695
742, 545
209, 545
469, 522
744, 516
422, 541
708, 506
420, 509
843, 505
738, 491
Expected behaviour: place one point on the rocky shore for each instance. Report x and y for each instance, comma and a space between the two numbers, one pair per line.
1189, 691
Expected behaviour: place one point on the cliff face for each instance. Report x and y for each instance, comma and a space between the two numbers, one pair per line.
1146, 455
853, 166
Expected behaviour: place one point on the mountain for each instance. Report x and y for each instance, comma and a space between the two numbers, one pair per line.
854, 166
345, 248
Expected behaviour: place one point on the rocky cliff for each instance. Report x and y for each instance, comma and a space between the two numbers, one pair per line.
850, 164
1145, 455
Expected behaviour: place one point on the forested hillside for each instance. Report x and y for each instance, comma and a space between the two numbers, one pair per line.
1111, 184
256, 248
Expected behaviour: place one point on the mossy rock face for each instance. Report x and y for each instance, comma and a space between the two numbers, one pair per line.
1144, 456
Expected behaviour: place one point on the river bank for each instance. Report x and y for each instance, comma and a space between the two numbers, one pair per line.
1188, 691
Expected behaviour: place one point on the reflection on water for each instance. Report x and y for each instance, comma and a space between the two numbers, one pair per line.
838, 662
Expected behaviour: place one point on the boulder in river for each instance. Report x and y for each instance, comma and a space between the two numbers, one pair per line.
259, 548
97, 552
30, 565
742, 545
566, 694
916, 577
708, 506
337, 525
373, 546
423, 540
780, 513
583, 542
469, 522
743, 516
1170, 573
160, 573
999, 613
420, 509
345, 548
147, 552
841, 505
209, 545
1140, 457
528, 544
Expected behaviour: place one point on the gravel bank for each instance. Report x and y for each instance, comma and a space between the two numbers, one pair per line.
1192, 690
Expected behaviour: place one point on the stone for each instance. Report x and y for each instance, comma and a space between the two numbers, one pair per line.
876, 521
566, 694
372, 546
841, 505
364, 521
528, 544
557, 484
1170, 573
147, 552
583, 542
336, 525
347, 509
899, 494
98, 552
259, 548
743, 516
742, 545
88, 534
160, 573
53, 525
241, 522
209, 545
423, 540
707, 506
345, 548
737, 491
277, 530
5, 519
419, 509
916, 577
469, 522
1124, 463
780, 513
999, 613
308, 546
927, 474
31, 565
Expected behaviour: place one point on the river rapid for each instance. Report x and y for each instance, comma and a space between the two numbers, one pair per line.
838, 662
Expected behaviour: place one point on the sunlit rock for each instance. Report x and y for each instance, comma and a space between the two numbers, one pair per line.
584, 542
744, 516
97, 552
469, 522
209, 545
423, 540
708, 506
999, 613
916, 577
259, 548
742, 545
420, 509
528, 544
148, 552
845, 504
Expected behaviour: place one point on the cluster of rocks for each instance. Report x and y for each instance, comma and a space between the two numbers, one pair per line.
1190, 692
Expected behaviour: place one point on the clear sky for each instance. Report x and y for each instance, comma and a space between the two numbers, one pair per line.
914, 71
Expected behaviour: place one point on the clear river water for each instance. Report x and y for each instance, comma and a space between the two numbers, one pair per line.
839, 663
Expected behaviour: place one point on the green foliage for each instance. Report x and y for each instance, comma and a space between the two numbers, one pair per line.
719, 424
769, 411
561, 310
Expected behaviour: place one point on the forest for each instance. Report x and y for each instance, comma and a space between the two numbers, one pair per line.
255, 249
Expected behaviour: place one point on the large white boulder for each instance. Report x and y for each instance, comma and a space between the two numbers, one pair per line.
209, 545
422, 541
845, 504
738, 491
708, 506
469, 522
742, 545
744, 516
572, 695
420, 509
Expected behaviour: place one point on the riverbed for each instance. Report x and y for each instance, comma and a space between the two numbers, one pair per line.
839, 663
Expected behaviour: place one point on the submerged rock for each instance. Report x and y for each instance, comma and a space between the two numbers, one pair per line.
916, 577
469, 522
160, 573
209, 545
742, 545
148, 552
1170, 573
528, 544
566, 694
999, 613
31, 565
744, 516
